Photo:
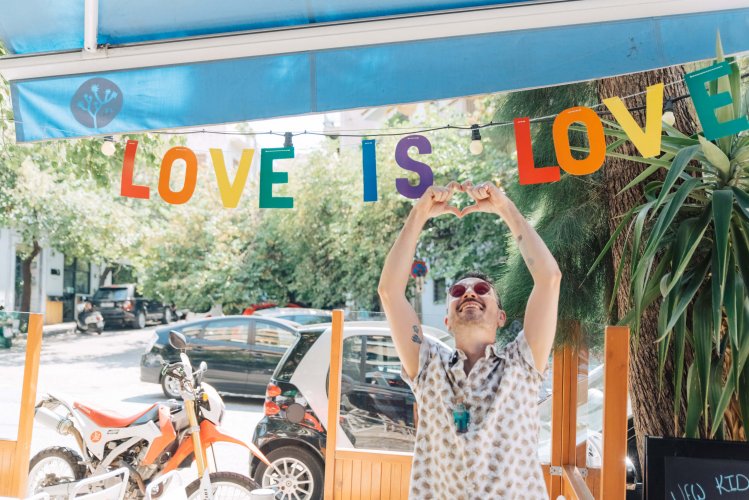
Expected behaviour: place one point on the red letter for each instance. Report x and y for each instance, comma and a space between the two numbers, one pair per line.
527, 172
127, 187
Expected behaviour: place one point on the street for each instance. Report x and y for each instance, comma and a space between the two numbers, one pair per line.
104, 372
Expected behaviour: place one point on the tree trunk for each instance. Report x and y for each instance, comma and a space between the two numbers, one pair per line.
103, 277
26, 273
652, 404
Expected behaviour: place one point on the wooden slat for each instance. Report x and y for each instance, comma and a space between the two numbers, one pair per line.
405, 480
385, 483
376, 484
569, 423
395, 479
356, 479
547, 477
366, 479
574, 486
338, 489
557, 407
334, 402
346, 479
375, 455
593, 480
15, 468
615, 379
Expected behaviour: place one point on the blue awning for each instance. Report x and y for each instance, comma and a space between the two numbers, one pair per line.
232, 61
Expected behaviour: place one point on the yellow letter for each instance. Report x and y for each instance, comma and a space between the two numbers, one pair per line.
647, 142
230, 193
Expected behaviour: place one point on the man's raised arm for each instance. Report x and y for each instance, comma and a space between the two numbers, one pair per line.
404, 323
540, 321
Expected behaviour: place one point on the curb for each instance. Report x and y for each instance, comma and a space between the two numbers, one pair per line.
58, 329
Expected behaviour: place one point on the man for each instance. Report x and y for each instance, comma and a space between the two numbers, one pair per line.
477, 429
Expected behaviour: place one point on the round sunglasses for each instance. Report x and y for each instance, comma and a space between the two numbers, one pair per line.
480, 287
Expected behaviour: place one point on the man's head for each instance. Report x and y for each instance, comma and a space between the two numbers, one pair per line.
473, 302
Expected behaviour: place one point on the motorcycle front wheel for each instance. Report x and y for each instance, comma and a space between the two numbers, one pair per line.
225, 486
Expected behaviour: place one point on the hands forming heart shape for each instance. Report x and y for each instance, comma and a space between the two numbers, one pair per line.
488, 197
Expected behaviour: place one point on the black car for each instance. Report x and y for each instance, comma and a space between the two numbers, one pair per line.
123, 305
241, 352
377, 406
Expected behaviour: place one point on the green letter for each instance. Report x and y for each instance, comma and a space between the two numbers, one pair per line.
707, 104
268, 177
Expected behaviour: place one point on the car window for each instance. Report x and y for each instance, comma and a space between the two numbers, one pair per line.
191, 330
111, 294
271, 335
227, 330
377, 407
307, 319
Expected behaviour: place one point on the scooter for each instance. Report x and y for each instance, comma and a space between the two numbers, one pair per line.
88, 319
151, 443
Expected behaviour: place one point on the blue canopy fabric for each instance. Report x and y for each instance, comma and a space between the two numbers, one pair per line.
235, 90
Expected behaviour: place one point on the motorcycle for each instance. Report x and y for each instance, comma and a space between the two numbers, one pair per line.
153, 442
88, 319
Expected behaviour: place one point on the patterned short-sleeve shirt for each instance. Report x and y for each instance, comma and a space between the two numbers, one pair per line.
497, 457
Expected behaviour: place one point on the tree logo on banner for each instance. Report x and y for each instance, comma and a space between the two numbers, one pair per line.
96, 102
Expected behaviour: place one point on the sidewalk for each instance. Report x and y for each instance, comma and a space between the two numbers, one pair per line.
59, 328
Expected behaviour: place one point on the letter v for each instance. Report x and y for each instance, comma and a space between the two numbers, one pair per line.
648, 141
231, 193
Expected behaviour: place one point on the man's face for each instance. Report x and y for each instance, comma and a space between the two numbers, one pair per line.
476, 303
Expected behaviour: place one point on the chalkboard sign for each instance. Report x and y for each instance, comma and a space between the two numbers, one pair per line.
696, 469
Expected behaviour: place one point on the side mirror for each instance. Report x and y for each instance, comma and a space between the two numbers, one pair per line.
177, 340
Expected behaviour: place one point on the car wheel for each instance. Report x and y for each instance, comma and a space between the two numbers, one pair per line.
170, 386
140, 320
167, 318
294, 472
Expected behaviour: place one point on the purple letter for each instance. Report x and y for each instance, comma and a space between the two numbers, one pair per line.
405, 162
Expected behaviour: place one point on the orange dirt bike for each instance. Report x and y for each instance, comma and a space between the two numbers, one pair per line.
151, 443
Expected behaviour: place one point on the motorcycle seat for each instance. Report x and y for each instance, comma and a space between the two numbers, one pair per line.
106, 418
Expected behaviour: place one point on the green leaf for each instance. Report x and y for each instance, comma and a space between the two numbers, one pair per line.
740, 240
690, 289
742, 200
716, 157
640, 177
702, 327
679, 342
694, 402
743, 394
722, 210
688, 238
613, 238
675, 169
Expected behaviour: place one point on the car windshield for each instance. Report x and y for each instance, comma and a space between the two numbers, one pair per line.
111, 294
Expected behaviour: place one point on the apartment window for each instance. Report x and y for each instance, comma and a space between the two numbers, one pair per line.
440, 291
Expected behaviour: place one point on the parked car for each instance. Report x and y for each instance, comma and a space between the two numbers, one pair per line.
300, 315
241, 352
377, 407
124, 305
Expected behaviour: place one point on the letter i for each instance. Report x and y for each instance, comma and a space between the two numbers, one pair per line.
369, 165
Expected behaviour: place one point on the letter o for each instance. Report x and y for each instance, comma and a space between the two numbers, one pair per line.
596, 139
191, 175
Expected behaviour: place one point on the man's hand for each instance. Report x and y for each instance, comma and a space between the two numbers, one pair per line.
436, 201
489, 198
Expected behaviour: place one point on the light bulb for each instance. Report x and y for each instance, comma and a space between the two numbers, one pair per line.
107, 148
475, 147
669, 118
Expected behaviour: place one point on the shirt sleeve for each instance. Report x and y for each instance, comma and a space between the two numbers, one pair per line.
428, 351
518, 351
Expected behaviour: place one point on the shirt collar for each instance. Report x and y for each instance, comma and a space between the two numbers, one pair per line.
491, 350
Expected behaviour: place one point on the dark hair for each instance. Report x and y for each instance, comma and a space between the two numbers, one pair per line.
481, 276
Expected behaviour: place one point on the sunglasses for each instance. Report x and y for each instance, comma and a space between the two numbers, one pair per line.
480, 287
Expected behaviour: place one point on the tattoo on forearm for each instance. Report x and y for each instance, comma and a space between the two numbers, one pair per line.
520, 238
416, 339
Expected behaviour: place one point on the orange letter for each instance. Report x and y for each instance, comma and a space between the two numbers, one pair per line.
127, 188
191, 175
597, 154
527, 172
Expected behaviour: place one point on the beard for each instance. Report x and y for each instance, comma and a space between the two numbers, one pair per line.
471, 314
